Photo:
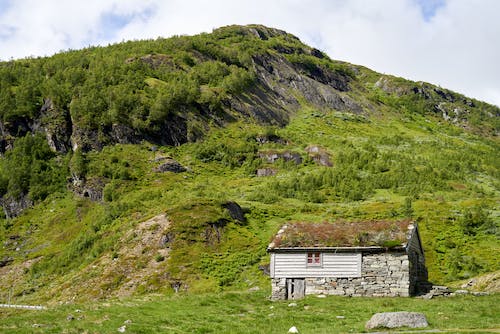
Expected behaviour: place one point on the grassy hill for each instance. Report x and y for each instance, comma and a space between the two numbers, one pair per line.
133, 169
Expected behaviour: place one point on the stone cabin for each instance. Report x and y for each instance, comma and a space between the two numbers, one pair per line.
372, 258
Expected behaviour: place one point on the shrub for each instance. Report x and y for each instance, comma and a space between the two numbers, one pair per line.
477, 220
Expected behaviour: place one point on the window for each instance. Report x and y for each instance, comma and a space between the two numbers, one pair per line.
313, 259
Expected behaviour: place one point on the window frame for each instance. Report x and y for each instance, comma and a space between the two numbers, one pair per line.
316, 259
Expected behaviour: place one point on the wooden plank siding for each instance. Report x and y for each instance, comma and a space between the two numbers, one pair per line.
294, 265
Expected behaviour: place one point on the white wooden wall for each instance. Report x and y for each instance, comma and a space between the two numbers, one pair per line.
294, 265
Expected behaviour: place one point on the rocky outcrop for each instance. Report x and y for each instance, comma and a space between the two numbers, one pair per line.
435, 291
319, 86
56, 123
5, 140
17, 127
91, 188
171, 132
272, 157
84, 139
13, 207
124, 134
319, 155
327, 77
271, 138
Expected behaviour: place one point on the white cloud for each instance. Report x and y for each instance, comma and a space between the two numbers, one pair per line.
453, 44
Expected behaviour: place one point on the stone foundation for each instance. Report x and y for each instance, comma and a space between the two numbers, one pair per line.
382, 275
278, 288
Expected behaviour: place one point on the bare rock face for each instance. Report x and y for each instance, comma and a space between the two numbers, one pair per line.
397, 319
124, 134
85, 139
56, 123
319, 86
13, 207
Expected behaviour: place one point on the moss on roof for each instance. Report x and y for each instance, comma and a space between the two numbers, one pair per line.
343, 234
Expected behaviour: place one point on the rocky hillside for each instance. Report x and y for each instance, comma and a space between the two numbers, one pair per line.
167, 165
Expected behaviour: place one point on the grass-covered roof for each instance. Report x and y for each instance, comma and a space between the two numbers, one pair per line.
343, 234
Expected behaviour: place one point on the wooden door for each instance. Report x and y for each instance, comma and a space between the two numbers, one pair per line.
295, 288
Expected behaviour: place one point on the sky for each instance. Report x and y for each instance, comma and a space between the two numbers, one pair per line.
451, 43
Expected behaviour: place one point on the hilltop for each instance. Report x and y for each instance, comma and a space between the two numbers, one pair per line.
167, 165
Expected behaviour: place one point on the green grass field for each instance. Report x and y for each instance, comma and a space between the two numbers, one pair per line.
250, 312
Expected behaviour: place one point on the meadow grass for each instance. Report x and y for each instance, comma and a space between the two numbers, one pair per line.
249, 312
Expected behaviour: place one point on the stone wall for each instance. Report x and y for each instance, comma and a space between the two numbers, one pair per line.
278, 288
382, 275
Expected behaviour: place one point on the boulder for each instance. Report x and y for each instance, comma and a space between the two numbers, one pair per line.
235, 211
397, 319
266, 172
170, 165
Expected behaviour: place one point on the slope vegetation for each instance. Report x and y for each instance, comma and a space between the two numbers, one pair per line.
167, 165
